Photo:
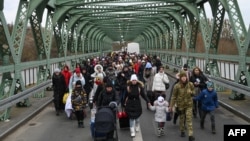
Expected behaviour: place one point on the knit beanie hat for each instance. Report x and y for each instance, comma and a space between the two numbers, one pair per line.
148, 65
133, 77
185, 66
78, 82
210, 84
182, 74
109, 84
57, 70
77, 70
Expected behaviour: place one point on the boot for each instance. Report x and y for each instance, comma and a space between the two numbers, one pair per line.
213, 129
202, 124
162, 131
183, 134
82, 124
132, 131
137, 127
79, 124
191, 138
158, 132
57, 112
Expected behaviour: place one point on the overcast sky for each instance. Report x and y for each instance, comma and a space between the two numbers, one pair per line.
10, 10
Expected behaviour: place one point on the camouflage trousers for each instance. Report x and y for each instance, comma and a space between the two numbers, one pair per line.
186, 115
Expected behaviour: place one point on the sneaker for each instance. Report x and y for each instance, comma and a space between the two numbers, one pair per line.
137, 128
162, 132
159, 132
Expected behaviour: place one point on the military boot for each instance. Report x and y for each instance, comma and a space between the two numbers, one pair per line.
183, 134
191, 138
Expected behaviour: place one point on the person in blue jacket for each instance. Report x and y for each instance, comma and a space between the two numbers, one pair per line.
209, 102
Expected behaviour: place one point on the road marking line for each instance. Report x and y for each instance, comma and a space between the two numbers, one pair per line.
138, 135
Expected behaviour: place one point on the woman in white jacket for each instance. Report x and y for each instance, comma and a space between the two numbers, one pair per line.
159, 81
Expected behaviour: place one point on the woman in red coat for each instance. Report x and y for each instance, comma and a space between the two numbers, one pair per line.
67, 74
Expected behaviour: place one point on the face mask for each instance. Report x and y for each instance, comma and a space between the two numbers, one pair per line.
78, 88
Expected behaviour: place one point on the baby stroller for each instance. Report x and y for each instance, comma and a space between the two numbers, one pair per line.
104, 128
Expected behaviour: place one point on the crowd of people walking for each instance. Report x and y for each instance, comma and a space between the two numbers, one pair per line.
123, 78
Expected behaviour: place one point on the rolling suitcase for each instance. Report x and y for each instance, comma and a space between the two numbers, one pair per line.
123, 119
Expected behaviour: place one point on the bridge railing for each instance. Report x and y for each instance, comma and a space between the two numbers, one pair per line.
29, 76
10, 101
222, 82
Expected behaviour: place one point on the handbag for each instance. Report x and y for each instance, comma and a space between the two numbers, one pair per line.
169, 116
166, 84
65, 96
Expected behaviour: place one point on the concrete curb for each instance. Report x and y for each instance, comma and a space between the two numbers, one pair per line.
24, 120
235, 111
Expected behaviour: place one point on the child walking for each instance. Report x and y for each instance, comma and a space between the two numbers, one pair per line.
161, 108
79, 101
209, 102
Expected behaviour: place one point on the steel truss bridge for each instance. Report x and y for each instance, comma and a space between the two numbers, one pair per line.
85, 28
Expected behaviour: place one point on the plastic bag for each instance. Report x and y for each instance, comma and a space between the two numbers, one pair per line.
65, 96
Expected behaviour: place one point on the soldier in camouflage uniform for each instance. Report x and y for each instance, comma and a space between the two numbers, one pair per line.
183, 93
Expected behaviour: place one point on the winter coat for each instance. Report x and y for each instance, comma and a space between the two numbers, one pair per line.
59, 86
88, 84
182, 95
98, 91
98, 74
133, 106
74, 78
111, 74
209, 100
105, 98
159, 82
137, 67
202, 80
161, 110
67, 74
122, 80
78, 99
149, 78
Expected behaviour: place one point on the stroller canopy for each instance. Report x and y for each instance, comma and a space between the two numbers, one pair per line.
104, 120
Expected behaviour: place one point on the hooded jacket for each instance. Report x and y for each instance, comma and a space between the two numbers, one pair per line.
133, 103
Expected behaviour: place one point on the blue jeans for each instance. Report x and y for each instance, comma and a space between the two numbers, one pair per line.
122, 96
132, 122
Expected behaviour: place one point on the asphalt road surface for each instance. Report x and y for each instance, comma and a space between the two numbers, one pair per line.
46, 126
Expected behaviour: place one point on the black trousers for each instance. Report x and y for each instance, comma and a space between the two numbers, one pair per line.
79, 115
